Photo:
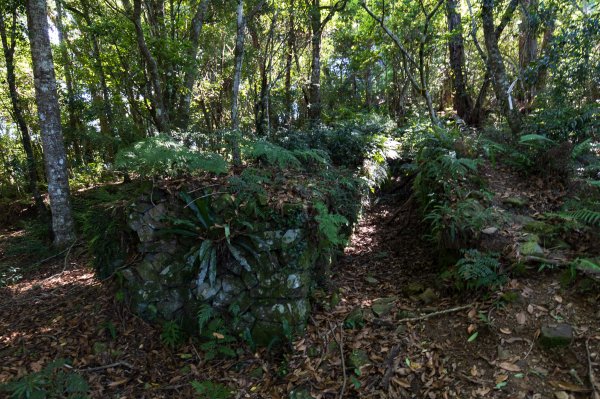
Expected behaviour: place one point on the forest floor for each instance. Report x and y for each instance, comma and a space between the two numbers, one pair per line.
385, 335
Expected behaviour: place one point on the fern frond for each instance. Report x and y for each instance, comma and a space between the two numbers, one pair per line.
205, 314
585, 216
273, 154
162, 155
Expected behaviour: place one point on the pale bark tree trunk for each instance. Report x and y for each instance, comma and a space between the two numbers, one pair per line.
497, 69
477, 113
237, 76
461, 99
314, 89
9, 52
288, 67
55, 157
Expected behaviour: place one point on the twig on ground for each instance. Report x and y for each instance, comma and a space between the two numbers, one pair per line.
390, 367
406, 206
67, 257
593, 382
556, 262
341, 345
441, 312
41, 262
469, 379
120, 363
530, 349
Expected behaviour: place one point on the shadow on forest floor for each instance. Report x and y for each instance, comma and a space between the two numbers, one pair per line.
359, 344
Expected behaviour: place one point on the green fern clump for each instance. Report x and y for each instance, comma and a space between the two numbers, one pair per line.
171, 334
217, 337
54, 381
274, 155
477, 270
330, 225
163, 156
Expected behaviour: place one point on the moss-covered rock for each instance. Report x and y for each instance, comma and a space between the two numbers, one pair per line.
556, 336
540, 228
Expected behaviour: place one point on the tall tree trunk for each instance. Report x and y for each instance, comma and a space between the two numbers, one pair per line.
55, 157
237, 76
314, 90
191, 71
497, 69
421, 86
106, 117
160, 114
74, 122
461, 99
9, 51
528, 47
288, 68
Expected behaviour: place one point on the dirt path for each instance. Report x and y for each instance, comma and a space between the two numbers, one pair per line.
387, 274
488, 348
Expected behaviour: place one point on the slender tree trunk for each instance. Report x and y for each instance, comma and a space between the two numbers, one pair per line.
497, 69
461, 99
288, 68
74, 122
106, 116
542, 77
476, 115
161, 115
55, 157
528, 48
191, 72
314, 90
9, 50
237, 76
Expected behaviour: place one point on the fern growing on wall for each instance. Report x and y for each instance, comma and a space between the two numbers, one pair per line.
163, 156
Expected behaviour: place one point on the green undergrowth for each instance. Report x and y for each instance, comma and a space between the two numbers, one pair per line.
455, 203
54, 381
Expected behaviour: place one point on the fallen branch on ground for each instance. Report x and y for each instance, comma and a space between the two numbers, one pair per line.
441, 312
120, 363
593, 383
406, 206
341, 345
390, 368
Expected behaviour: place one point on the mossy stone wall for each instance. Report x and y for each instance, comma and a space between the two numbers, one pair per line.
271, 300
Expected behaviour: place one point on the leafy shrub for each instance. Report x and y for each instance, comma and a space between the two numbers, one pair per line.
50, 382
585, 216
100, 216
274, 155
163, 156
476, 270
349, 143
447, 188
217, 231
329, 226
454, 223
35, 242
211, 390
216, 335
